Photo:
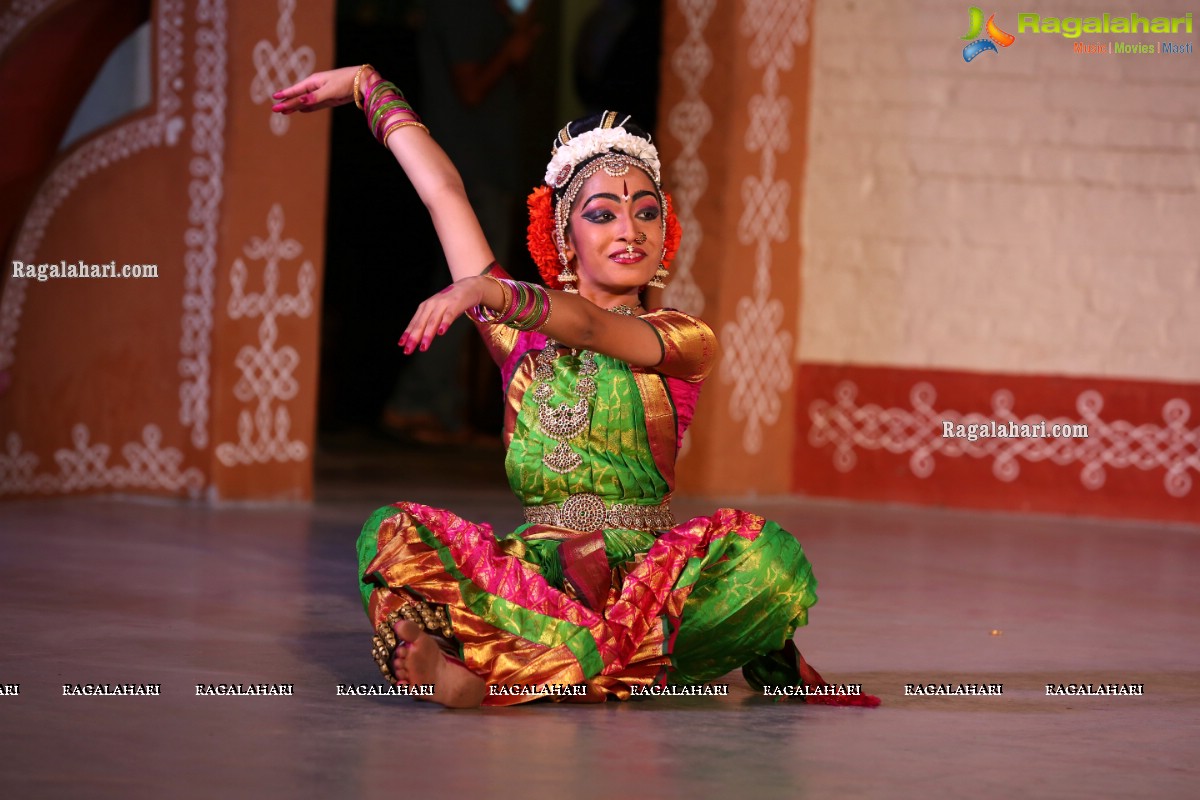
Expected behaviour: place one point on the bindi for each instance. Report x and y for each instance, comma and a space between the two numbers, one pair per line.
625, 191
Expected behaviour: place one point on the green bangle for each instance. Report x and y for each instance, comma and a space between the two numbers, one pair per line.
389, 106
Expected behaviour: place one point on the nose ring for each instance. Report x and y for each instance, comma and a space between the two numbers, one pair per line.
639, 239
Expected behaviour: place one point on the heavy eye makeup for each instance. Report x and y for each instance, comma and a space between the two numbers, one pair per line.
601, 215
649, 212
598, 215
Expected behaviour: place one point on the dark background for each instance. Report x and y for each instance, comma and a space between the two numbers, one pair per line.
380, 242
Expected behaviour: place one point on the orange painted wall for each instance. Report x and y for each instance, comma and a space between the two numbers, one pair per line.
200, 381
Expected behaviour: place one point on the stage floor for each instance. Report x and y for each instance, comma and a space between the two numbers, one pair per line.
131, 591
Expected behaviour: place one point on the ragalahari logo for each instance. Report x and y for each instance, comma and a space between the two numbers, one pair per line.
995, 36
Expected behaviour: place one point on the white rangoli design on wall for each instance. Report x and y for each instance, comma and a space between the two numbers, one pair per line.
689, 121
17, 17
280, 65
758, 357
149, 465
1110, 444
268, 380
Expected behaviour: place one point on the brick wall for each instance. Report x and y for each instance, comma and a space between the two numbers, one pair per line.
1035, 211
1010, 240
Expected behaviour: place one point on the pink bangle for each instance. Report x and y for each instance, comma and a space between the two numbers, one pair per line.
482, 313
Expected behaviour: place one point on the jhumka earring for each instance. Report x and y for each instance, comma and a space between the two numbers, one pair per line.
567, 276
657, 280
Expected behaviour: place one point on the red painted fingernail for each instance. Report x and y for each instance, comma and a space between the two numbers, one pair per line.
442, 329
424, 346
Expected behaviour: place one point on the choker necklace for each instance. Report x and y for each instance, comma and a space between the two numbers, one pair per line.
568, 420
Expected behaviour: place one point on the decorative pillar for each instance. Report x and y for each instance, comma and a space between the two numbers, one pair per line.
735, 102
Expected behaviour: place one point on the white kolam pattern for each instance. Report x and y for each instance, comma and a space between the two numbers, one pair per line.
207, 169
148, 465
279, 65
689, 121
17, 18
268, 381
1172, 447
160, 129
758, 361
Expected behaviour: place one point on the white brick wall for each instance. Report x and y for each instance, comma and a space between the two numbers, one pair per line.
1034, 211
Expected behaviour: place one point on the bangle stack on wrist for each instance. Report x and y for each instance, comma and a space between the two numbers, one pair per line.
386, 109
526, 306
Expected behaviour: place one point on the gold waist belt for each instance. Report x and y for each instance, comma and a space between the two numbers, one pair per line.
588, 512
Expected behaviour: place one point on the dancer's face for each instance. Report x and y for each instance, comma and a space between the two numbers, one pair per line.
610, 214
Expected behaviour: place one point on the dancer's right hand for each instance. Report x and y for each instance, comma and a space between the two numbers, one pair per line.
434, 316
320, 90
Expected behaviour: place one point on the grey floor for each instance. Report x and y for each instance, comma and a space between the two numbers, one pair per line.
111, 590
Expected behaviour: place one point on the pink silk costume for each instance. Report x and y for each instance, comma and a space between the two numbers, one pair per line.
613, 608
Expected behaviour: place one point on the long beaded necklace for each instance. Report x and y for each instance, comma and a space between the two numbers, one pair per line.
568, 420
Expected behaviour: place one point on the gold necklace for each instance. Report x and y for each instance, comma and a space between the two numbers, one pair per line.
568, 420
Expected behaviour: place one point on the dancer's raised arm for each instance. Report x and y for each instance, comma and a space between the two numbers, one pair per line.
607, 227
398, 127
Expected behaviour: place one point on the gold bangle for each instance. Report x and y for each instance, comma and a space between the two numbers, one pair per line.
401, 124
481, 313
358, 98
507, 294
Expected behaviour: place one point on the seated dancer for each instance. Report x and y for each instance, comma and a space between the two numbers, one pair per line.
601, 587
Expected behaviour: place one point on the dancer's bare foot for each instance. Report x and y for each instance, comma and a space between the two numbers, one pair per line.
419, 661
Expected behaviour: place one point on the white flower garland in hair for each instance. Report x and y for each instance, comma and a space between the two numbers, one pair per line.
593, 143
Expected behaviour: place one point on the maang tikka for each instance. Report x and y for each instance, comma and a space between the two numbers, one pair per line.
615, 164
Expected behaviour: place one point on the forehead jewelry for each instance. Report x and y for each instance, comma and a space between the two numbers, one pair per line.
614, 164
